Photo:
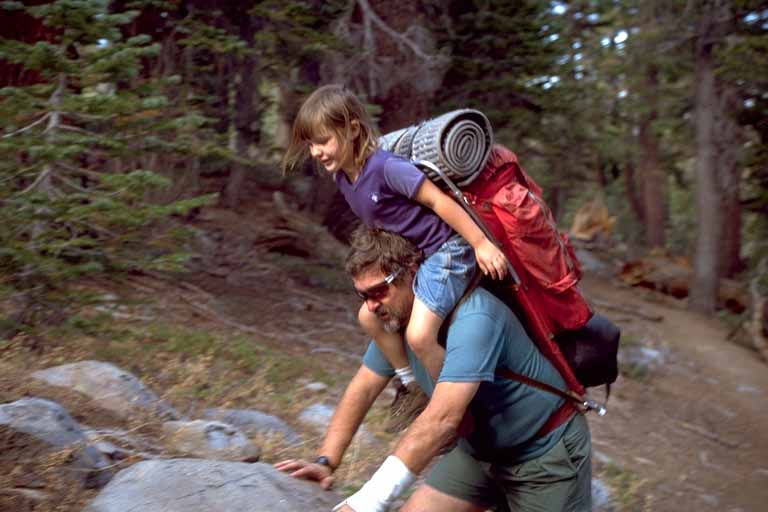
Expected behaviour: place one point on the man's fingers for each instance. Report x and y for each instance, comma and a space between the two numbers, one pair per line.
326, 483
301, 472
290, 465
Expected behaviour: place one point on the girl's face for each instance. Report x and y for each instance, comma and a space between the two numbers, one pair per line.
326, 149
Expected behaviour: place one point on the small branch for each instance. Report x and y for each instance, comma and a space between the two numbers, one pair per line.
80, 170
28, 127
72, 185
21, 172
89, 117
369, 13
41, 179
77, 129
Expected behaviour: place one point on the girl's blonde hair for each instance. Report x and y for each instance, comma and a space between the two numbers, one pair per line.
331, 108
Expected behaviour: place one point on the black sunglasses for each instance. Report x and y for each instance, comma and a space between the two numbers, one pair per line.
379, 290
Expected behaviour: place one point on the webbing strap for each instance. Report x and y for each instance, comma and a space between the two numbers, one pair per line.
582, 403
567, 395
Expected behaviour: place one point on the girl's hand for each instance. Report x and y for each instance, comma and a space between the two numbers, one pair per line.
491, 260
302, 469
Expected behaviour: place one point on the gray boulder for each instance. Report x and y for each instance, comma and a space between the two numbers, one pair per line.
109, 386
209, 440
50, 423
318, 417
254, 423
601, 496
638, 360
196, 485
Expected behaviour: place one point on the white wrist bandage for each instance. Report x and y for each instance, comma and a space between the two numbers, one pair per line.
389, 482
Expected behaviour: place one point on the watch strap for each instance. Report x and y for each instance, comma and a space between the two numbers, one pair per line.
325, 461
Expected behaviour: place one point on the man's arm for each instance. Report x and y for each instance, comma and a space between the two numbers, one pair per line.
437, 425
360, 394
431, 431
358, 398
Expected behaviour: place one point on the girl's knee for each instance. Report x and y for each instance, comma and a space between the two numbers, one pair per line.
368, 321
420, 337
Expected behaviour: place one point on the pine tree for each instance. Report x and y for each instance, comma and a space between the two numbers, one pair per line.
78, 155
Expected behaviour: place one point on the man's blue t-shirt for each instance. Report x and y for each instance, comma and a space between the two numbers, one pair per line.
383, 197
486, 335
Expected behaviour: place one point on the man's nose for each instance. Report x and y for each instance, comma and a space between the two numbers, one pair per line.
372, 305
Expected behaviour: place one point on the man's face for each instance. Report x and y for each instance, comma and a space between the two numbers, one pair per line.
391, 303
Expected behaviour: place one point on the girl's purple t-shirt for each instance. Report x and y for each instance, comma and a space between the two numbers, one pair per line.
383, 197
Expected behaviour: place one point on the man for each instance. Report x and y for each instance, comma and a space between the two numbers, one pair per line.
512, 457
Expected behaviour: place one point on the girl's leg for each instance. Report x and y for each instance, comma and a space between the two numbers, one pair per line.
421, 334
409, 400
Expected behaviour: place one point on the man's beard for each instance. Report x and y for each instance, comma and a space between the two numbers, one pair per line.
393, 324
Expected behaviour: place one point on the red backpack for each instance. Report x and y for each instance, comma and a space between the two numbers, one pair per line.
543, 290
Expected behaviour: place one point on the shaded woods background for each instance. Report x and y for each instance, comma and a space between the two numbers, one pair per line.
120, 119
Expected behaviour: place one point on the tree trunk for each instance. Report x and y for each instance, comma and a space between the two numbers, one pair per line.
705, 281
729, 142
402, 104
246, 117
630, 187
652, 177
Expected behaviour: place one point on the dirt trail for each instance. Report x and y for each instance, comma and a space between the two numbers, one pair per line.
693, 431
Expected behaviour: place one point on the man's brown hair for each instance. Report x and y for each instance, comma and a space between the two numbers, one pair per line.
372, 249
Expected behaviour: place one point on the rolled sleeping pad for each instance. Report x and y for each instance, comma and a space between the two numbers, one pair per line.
458, 142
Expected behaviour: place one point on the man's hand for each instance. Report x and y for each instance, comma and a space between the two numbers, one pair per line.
299, 468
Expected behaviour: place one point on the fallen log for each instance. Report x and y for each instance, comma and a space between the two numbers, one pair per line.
672, 276
635, 311
297, 233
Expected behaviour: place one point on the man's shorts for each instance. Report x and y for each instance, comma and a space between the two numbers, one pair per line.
443, 277
561, 479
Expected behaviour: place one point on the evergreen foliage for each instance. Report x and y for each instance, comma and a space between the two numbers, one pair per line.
77, 158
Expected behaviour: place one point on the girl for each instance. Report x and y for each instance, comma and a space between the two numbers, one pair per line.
386, 191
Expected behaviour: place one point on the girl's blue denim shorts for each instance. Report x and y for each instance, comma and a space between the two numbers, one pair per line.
443, 278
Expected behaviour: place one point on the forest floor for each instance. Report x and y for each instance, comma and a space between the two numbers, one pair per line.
248, 328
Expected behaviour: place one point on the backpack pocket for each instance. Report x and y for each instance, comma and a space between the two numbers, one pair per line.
532, 235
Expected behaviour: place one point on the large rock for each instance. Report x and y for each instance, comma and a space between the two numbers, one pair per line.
210, 440
601, 496
109, 386
640, 361
318, 417
254, 423
50, 423
196, 485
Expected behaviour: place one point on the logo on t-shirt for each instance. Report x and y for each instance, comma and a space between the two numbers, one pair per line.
375, 197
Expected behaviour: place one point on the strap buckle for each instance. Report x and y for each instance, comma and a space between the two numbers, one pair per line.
592, 405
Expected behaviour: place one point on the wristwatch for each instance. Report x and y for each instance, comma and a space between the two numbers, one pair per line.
325, 461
